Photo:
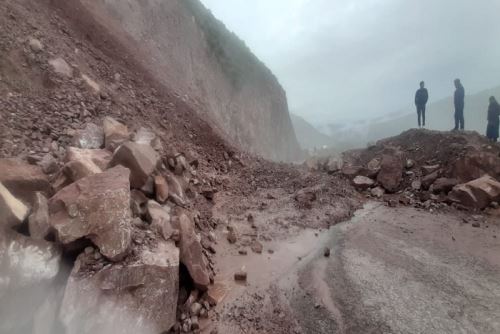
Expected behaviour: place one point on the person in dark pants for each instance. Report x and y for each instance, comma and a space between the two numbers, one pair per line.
459, 100
421, 98
493, 120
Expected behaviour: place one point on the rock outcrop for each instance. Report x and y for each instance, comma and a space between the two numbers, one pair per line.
211, 69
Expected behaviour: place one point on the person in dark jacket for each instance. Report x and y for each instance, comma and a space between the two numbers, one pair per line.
493, 120
421, 98
459, 100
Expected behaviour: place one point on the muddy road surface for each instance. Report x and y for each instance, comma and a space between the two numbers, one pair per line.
391, 270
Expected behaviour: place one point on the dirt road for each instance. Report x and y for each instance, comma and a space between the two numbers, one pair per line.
392, 270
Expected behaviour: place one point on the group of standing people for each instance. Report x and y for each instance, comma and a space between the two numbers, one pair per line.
492, 130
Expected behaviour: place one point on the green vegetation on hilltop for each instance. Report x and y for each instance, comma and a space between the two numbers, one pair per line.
236, 59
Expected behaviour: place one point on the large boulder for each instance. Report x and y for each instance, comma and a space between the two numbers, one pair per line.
477, 194
23, 180
12, 211
192, 253
391, 172
28, 273
96, 207
38, 221
474, 165
140, 159
91, 137
115, 133
137, 297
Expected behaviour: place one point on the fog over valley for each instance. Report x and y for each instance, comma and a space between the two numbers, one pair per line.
345, 62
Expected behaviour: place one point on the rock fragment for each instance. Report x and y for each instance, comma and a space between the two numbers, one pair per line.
362, 182
12, 210
140, 297
91, 137
140, 159
96, 207
61, 67
161, 189
477, 194
391, 173
115, 133
38, 221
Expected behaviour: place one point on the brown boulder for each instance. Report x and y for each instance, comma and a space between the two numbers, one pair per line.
391, 172
91, 137
12, 211
192, 253
139, 297
477, 194
23, 180
38, 221
428, 180
96, 207
115, 133
443, 185
474, 165
140, 159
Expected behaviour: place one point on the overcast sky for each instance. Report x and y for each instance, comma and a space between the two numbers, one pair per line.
353, 59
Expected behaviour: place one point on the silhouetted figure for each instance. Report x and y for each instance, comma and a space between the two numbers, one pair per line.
459, 100
493, 120
421, 98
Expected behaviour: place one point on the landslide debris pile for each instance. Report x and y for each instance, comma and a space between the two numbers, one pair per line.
428, 169
107, 184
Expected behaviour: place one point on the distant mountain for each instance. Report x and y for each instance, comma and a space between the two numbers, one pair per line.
309, 137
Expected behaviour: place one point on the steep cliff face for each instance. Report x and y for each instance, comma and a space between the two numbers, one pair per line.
193, 54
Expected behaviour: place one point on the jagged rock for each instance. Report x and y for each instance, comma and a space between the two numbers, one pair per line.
374, 165
28, 270
428, 180
377, 192
96, 207
159, 218
91, 83
23, 180
100, 158
115, 133
12, 210
362, 182
144, 136
176, 189
92, 137
391, 173
35, 45
139, 297
443, 185
430, 169
409, 164
474, 165
216, 293
61, 67
161, 189
140, 159
477, 194
38, 221
192, 253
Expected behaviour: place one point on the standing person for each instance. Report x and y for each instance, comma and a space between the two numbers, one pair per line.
421, 98
493, 120
459, 100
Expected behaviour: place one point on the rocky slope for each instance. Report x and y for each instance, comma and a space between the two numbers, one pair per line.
189, 51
